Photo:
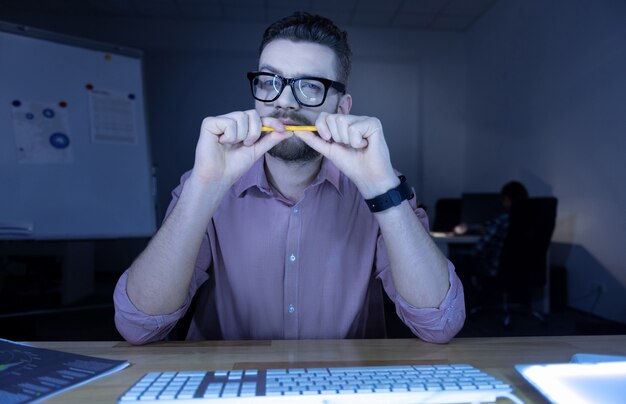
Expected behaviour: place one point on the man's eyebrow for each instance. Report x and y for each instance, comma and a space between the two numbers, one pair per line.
275, 70
272, 69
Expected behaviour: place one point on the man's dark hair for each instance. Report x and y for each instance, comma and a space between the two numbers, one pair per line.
301, 26
515, 191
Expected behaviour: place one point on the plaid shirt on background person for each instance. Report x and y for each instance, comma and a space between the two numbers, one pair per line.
489, 247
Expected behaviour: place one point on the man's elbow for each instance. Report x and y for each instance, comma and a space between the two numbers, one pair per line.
443, 333
133, 334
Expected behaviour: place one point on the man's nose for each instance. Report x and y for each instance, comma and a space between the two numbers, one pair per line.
287, 99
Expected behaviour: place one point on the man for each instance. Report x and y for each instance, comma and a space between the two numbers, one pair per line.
271, 228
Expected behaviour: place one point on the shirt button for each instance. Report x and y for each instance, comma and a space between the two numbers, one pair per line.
296, 210
292, 258
292, 309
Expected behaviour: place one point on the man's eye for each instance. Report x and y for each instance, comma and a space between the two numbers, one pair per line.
266, 84
311, 86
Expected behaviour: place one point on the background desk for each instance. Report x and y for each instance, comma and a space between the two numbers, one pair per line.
496, 356
444, 240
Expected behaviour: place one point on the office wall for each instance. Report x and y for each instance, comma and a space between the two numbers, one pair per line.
195, 69
546, 104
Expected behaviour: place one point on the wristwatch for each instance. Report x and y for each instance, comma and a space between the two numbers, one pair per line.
391, 198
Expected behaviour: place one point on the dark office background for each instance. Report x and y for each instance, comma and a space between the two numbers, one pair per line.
472, 93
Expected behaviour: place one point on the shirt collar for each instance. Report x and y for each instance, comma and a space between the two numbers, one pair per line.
256, 177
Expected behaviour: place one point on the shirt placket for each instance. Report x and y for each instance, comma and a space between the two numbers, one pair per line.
292, 265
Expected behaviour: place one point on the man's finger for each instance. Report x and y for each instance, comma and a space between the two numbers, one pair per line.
315, 142
322, 126
356, 139
254, 128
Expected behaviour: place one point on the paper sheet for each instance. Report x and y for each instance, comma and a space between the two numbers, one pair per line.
30, 374
42, 133
113, 116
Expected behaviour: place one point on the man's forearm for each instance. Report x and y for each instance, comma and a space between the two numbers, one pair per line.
159, 279
419, 269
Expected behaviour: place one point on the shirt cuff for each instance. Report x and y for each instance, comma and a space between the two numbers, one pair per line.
136, 326
440, 324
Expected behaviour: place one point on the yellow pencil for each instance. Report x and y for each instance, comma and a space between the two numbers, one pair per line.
290, 127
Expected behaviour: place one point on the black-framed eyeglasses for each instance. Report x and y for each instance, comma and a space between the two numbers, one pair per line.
308, 91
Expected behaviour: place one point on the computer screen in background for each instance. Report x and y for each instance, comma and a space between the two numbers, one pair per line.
476, 208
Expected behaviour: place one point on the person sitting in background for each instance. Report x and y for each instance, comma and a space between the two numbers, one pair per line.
485, 254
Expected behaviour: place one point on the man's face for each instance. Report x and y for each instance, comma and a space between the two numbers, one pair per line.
296, 59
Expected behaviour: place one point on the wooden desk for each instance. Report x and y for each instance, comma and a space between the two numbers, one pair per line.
496, 356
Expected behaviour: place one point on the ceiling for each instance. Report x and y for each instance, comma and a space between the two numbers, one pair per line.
444, 15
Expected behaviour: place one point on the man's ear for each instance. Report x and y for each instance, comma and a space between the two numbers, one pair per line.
345, 104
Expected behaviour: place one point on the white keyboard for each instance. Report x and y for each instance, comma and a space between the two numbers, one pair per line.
397, 384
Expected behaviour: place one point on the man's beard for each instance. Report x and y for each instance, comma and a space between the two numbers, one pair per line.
293, 150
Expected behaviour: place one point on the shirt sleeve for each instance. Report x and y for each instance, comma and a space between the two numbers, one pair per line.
438, 325
138, 327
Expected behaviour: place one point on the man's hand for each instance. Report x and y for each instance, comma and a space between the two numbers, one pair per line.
356, 145
230, 144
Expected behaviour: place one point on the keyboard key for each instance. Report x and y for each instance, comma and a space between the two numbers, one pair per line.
235, 374
167, 396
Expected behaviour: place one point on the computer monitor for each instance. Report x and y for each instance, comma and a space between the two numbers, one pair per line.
476, 208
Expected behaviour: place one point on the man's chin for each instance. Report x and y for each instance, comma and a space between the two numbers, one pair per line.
293, 150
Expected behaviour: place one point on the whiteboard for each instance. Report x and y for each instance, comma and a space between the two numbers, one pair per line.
74, 152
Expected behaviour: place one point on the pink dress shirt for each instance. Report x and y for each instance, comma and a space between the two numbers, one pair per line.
272, 269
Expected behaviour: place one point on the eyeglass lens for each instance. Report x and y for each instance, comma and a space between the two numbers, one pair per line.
308, 91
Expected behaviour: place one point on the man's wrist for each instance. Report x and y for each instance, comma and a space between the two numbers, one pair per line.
371, 187
393, 197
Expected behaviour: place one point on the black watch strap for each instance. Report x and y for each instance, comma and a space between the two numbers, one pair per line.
391, 198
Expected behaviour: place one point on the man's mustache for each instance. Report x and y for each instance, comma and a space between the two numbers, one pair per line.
292, 116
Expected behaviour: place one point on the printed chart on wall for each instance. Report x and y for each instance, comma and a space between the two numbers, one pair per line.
113, 116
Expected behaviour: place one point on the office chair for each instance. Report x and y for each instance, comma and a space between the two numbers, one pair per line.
523, 260
447, 214
478, 207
